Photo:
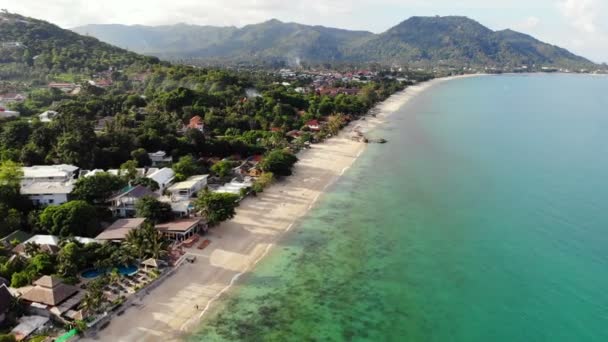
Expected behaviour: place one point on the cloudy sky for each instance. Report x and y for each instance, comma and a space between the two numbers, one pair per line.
578, 25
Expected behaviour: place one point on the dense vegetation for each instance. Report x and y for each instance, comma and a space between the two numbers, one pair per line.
74, 256
146, 108
455, 41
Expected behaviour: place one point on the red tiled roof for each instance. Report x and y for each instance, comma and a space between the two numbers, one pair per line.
195, 122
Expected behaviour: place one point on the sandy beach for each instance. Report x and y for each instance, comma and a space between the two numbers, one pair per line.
170, 311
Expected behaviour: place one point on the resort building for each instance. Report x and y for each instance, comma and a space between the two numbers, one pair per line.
51, 296
47, 243
163, 177
188, 188
123, 204
180, 208
118, 230
180, 230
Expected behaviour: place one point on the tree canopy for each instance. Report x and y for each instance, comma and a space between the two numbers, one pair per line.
97, 189
217, 207
153, 209
74, 218
279, 162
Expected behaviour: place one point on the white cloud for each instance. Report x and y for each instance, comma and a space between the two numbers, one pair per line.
70, 13
581, 13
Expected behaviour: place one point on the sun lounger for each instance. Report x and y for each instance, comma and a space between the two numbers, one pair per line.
204, 244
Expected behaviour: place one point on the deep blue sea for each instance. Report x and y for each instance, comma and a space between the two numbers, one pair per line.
485, 218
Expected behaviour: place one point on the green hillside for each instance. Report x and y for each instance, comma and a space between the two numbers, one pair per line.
29, 46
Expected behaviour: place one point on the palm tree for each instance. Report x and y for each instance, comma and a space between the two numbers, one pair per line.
156, 244
146, 242
114, 276
93, 299
135, 243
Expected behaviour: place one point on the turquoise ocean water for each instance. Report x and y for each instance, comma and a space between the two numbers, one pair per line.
485, 218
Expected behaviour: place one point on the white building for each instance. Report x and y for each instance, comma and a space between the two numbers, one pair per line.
47, 193
48, 116
163, 177
123, 204
48, 184
159, 158
5, 113
54, 173
188, 188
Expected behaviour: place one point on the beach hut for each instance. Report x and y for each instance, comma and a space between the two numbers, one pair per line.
154, 263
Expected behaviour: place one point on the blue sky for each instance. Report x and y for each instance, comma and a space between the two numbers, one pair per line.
578, 25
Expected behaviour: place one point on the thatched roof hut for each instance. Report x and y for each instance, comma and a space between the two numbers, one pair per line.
49, 290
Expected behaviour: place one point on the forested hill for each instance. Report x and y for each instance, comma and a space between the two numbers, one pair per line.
452, 41
270, 39
28, 45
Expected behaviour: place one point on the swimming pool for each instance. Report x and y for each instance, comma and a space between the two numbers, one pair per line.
94, 273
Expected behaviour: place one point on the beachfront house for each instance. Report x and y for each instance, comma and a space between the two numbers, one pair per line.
188, 188
164, 177
118, 230
160, 158
123, 203
182, 229
180, 208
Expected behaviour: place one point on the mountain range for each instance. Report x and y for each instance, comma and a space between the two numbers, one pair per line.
424, 41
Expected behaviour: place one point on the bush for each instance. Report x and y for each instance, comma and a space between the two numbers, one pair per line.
263, 182
7, 338
20, 279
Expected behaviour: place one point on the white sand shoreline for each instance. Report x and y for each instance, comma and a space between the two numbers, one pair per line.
170, 311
